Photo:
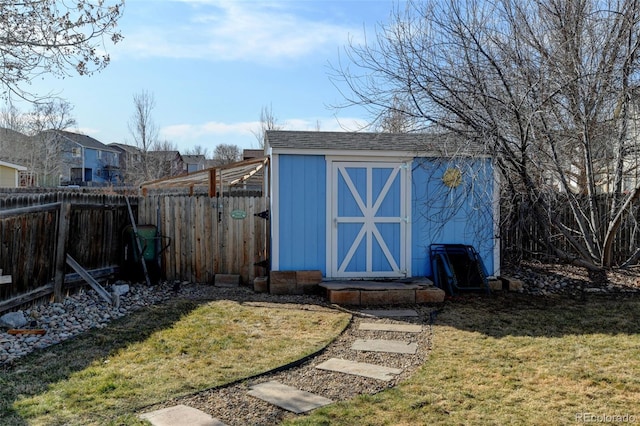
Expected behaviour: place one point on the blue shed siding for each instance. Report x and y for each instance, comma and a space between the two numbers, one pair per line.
439, 214
302, 212
460, 215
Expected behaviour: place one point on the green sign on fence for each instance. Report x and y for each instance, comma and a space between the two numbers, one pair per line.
238, 214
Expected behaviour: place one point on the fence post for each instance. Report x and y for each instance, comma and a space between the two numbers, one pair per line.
61, 248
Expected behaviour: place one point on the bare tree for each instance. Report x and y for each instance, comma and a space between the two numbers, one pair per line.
51, 37
197, 150
165, 145
268, 121
145, 135
545, 86
47, 148
12, 118
397, 118
164, 160
227, 153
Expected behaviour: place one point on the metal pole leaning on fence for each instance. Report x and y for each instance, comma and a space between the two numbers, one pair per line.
61, 249
138, 246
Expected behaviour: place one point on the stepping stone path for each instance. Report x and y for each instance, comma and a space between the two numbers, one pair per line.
405, 328
180, 415
299, 401
360, 369
391, 346
287, 397
390, 313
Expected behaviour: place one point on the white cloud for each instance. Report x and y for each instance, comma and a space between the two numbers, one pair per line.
216, 129
332, 124
234, 30
89, 131
211, 128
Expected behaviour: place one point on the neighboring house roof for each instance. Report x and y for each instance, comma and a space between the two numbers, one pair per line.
131, 149
167, 155
83, 140
11, 135
12, 166
445, 144
13, 146
193, 159
212, 163
248, 154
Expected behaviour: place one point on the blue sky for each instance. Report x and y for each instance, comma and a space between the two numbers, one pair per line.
213, 65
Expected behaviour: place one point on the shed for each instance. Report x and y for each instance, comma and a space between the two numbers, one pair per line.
369, 205
9, 174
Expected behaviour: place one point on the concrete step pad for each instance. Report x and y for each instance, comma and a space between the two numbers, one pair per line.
390, 313
391, 346
180, 415
376, 326
359, 369
287, 397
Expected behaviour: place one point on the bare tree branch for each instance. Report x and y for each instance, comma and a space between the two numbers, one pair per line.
548, 87
51, 37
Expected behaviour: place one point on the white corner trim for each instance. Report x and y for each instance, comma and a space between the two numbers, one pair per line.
408, 203
329, 218
275, 212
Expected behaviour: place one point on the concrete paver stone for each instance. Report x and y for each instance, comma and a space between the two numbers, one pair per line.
376, 326
390, 313
180, 415
287, 397
359, 369
392, 346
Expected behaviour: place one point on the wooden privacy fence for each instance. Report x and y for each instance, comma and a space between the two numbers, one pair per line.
521, 235
209, 235
38, 230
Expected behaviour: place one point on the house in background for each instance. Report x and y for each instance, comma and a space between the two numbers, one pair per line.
55, 157
194, 163
249, 154
10, 174
369, 205
130, 161
166, 163
255, 182
84, 160
15, 148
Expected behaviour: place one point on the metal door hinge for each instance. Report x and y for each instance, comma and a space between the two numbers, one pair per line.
263, 215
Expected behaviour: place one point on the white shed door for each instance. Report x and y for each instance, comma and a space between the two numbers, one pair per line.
369, 207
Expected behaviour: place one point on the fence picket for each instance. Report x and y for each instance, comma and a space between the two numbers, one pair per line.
29, 239
205, 239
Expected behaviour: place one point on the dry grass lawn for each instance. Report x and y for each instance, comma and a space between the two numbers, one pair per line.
515, 360
153, 355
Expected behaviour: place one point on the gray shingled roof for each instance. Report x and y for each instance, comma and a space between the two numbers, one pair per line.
83, 140
125, 148
193, 159
356, 141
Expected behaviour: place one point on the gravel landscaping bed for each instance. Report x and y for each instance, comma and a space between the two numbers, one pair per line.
553, 279
86, 310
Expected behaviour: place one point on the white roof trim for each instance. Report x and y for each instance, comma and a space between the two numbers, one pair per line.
362, 154
13, 166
